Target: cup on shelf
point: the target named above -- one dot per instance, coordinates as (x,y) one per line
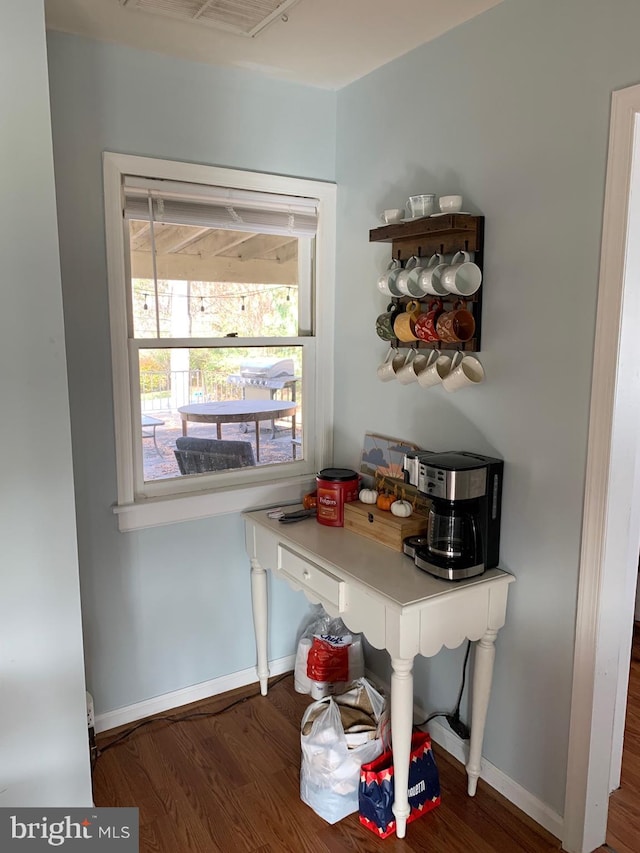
(384,322)
(429,277)
(421,205)
(410,283)
(435,371)
(461,277)
(425,328)
(466,371)
(387,281)
(414,364)
(456,326)
(405,323)
(408,278)
(450,203)
(391,365)
(391,215)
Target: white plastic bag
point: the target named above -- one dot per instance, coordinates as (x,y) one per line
(330,769)
(326,639)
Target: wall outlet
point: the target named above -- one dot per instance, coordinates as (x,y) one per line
(91,720)
(91,727)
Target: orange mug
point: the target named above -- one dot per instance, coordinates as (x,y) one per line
(405,324)
(456,326)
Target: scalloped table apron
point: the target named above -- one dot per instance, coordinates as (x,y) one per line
(381,593)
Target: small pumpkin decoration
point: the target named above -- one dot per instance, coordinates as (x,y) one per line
(402,509)
(368,496)
(385,501)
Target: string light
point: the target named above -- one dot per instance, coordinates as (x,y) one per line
(241,296)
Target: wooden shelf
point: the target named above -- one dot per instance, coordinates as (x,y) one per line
(446,234)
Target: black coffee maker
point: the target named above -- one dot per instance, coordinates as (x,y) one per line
(463,535)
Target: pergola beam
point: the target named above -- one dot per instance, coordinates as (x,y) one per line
(188,267)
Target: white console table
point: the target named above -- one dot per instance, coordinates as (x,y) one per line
(381,593)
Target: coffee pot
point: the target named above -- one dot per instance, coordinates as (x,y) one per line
(463,534)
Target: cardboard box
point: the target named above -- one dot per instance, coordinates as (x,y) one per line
(381,525)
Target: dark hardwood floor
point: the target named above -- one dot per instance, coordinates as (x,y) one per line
(623,831)
(230,784)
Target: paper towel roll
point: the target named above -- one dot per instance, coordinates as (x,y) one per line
(302,683)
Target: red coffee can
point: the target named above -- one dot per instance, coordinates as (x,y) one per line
(336,487)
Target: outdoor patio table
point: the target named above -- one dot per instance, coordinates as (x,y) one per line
(152,423)
(238,412)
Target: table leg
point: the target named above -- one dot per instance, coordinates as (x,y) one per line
(274,391)
(259,605)
(184,426)
(401,728)
(257,441)
(482,675)
(219,430)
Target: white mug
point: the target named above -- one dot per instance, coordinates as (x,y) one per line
(402,280)
(391,215)
(387,281)
(391,365)
(429,277)
(466,370)
(421,205)
(414,364)
(461,277)
(436,370)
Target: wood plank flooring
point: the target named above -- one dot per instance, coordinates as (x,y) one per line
(623,831)
(230,784)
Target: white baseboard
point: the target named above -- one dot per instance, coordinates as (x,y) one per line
(195,693)
(441,734)
(505,785)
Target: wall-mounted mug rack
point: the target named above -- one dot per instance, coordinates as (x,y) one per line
(444,235)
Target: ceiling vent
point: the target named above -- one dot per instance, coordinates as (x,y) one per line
(243,17)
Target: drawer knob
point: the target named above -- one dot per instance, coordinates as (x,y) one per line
(306,575)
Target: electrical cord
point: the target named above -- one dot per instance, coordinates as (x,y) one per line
(453,718)
(96,752)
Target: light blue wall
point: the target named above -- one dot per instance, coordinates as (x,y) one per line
(44,754)
(511,110)
(169,607)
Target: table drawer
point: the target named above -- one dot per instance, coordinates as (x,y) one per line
(314,578)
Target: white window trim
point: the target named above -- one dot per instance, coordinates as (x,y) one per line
(135,512)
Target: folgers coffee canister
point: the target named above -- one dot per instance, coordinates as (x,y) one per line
(335,487)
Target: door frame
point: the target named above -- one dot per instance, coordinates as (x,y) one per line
(611,512)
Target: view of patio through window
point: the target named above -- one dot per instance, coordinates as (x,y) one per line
(197,289)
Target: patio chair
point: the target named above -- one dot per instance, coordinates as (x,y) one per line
(198,455)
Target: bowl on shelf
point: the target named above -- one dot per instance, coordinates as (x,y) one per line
(450,203)
(393,214)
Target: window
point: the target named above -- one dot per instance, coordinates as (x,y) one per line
(221,298)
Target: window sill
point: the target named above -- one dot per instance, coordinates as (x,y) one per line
(154,512)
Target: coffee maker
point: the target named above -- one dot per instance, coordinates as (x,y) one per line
(463,535)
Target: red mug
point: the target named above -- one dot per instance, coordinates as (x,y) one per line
(425,329)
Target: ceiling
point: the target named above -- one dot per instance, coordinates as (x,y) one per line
(324,43)
(193,253)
